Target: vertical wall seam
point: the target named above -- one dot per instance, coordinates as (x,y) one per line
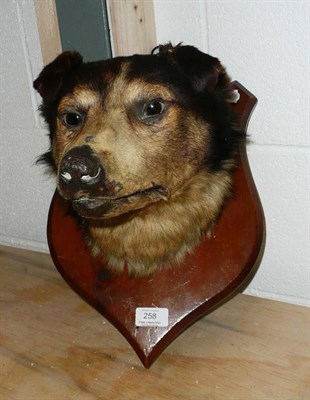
(29,69)
(204,24)
(111,30)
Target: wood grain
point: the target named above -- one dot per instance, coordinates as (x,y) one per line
(48,29)
(132,26)
(54,346)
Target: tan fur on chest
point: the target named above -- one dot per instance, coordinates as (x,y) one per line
(164,233)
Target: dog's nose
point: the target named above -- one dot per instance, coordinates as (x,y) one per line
(80,169)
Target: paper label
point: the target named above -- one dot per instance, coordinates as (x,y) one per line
(152,316)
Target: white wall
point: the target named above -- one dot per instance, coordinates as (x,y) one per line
(25,192)
(263,45)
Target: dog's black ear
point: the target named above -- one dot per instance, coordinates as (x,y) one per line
(52,76)
(205,72)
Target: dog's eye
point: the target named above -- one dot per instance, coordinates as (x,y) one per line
(72,119)
(153,109)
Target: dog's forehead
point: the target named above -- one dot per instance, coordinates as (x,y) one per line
(140,76)
(148,68)
(101,73)
(121,78)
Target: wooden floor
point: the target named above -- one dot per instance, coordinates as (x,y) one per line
(54,346)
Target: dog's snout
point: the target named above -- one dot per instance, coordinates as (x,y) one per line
(80,169)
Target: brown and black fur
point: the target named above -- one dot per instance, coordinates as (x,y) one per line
(147,156)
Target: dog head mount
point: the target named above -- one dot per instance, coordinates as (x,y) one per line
(140,139)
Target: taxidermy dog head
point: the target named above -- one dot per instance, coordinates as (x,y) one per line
(143,147)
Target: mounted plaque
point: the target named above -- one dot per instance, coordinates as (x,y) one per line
(151,311)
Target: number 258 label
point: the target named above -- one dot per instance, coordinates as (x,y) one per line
(152,316)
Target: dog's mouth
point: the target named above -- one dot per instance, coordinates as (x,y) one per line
(97,208)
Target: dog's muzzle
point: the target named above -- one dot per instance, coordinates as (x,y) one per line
(81,173)
(82,179)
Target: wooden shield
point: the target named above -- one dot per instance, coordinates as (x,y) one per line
(217,269)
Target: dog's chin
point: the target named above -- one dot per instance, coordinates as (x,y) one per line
(104,208)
